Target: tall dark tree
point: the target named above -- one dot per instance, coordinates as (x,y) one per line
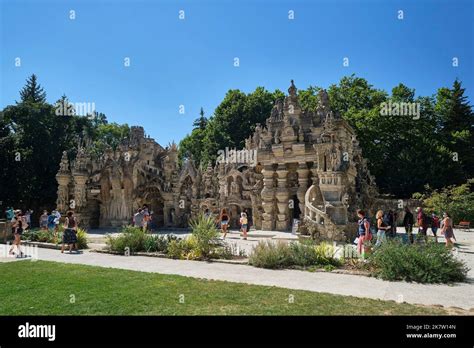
(32,138)
(33,92)
(201,122)
(457,126)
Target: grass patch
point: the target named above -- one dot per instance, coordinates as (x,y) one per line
(45,288)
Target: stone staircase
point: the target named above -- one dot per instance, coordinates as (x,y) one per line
(316,217)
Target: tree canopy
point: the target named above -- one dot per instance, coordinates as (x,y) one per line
(434,145)
(32,140)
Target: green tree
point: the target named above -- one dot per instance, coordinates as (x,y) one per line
(33,92)
(233,121)
(456,119)
(201,122)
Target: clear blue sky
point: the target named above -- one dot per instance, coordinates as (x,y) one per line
(190,62)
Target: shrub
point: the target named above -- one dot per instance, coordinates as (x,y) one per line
(326,254)
(31,235)
(423,263)
(269,254)
(185,249)
(158,243)
(228,251)
(303,254)
(205,235)
(81,238)
(45,236)
(131,237)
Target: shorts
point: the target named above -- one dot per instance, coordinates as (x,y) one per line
(225,222)
(244,226)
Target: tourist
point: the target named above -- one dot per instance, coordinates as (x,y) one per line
(27,216)
(249,218)
(57,219)
(138,218)
(244,224)
(9,214)
(447,229)
(408,223)
(207,214)
(363,232)
(389,221)
(394,224)
(70,232)
(51,219)
(381,229)
(146,217)
(17,230)
(422,222)
(434,223)
(224,220)
(43,220)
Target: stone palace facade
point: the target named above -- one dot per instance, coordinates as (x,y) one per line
(299,165)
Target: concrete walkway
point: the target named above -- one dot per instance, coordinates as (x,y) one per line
(459,295)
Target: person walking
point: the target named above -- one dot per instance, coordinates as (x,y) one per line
(422,222)
(408,224)
(138,218)
(363,232)
(447,230)
(9,214)
(70,232)
(224,220)
(244,225)
(146,217)
(434,224)
(43,220)
(51,223)
(381,229)
(18,224)
(57,220)
(28,217)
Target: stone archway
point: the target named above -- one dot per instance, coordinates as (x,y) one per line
(155,202)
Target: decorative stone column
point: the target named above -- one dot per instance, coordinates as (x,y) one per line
(282,196)
(62,202)
(315,176)
(79,203)
(302,184)
(63,177)
(268,196)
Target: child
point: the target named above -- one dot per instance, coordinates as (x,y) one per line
(244,224)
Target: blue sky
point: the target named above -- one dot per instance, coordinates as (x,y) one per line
(190,62)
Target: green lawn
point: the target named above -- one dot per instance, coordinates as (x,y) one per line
(45,288)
